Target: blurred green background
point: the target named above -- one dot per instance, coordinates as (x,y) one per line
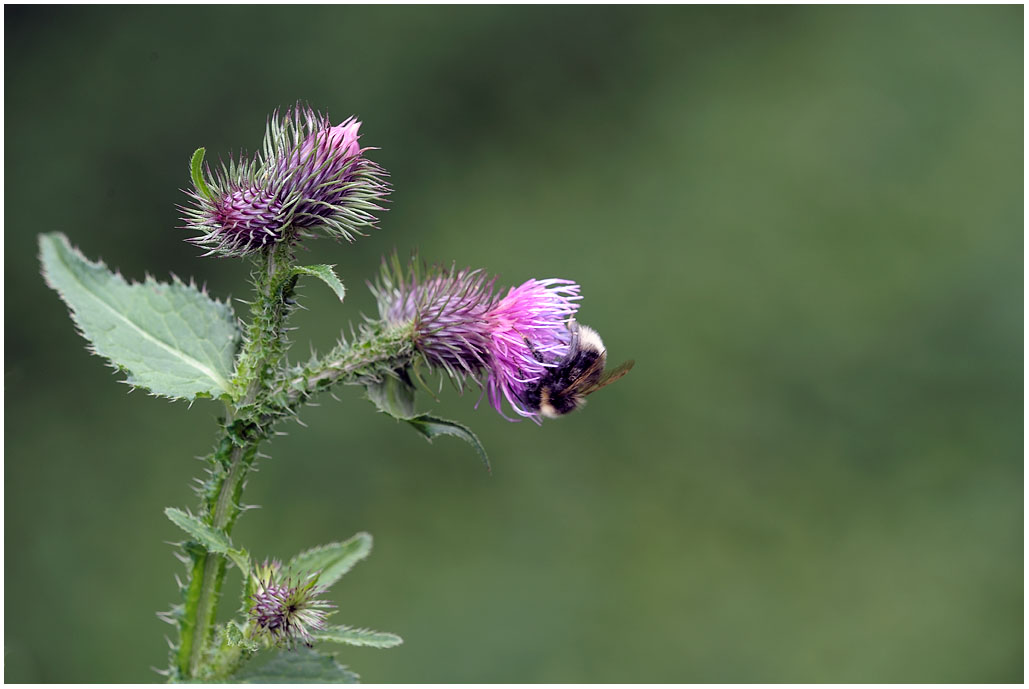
(805,224)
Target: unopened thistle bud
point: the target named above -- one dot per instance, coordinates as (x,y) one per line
(309,176)
(286,609)
(466,329)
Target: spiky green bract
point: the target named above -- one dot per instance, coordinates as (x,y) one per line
(169,338)
(309,175)
(285,608)
(446,309)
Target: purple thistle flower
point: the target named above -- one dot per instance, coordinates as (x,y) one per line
(285,610)
(447,310)
(528,334)
(461,326)
(309,175)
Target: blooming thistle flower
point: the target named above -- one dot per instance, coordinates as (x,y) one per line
(285,609)
(309,175)
(466,329)
(528,330)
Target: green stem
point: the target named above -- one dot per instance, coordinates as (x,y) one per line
(264,394)
(265,342)
(265,347)
(378,353)
(209,568)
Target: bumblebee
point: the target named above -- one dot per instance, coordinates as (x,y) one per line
(563,388)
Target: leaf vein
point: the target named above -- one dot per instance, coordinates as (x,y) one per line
(185,358)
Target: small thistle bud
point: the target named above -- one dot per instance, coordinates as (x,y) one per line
(309,176)
(285,610)
(461,326)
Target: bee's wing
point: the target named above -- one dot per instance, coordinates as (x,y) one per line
(613,375)
(581,384)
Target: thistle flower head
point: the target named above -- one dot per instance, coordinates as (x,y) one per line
(286,609)
(463,327)
(309,175)
(528,334)
(447,309)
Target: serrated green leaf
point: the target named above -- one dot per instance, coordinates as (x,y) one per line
(393,396)
(196,172)
(301,666)
(326,275)
(213,540)
(342,634)
(334,559)
(172,339)
(432,426)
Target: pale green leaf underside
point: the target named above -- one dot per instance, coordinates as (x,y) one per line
(213,540)
(171,339)
(301,666)
(326,275)
(333,560)
(358,637)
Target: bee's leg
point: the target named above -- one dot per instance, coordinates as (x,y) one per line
(535,354)
(573,343)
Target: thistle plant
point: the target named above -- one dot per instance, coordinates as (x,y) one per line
(309,178)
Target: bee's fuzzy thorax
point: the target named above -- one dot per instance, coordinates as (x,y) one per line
(564,386)
(589,339)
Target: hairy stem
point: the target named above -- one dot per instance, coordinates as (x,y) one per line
(266,343)
(262,353)
(208,569)
(266,392)
(373,356)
